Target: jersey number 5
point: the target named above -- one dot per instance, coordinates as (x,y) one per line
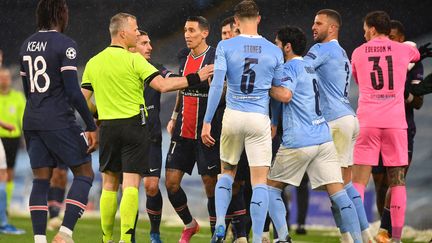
(248,73)
(39,66)
(377,71)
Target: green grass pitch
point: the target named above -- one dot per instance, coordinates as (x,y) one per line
(88,231)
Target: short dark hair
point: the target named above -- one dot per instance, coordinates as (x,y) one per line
(396,24)
(49,13)
(380,20)
(202,22)
(293,35)
(229,20)
(333,14)
(142,32)
(246,9)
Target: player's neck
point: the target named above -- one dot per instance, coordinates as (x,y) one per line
(249,26)
(330,38)
(376,36)
(249,29)
(4,91)
(200,49)
(116,42)
(56,28)
(290,56)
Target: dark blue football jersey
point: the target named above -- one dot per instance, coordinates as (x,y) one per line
(152,101)
(43,57)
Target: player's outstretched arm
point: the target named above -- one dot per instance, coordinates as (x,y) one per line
(422,88)
(175,83)
(425,51)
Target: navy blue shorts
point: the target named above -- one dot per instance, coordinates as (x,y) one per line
(183,153)
(154,160)
(51,147)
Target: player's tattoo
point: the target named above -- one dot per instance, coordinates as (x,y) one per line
(227,166)
(396,176)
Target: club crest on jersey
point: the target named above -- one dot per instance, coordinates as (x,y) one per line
(71,53)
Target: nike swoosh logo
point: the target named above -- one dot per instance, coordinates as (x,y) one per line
(211,167)
(152,170)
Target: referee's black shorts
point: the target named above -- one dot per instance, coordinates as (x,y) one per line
(124,145)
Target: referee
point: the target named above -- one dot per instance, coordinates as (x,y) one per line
(117,77)
(12,104)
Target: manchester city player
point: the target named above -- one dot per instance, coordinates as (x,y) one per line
(333,68)
(251,64)
(307,144)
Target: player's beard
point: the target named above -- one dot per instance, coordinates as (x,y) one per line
(321,37)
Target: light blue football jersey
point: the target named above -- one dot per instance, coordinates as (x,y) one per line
(334,72)
(252,65)
(302,121)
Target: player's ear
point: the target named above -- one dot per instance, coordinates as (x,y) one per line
(205,33)
(258,19)
(287,48)
(372,31)
(236,20)
(121,34)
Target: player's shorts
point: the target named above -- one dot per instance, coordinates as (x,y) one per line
(61,166)
(184,152)
(379,169)
(344,132)
(11,146)
(49,147)
(392,143)
(124,145)
(243,170)
(249,131)
(3,164)
(320,162)
(154,160)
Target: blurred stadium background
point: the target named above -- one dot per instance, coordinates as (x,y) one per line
(164,20)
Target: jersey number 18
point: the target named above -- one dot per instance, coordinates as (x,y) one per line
(39,66)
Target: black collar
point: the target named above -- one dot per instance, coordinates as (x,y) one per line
(116,46)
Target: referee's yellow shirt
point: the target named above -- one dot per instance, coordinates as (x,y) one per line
(117,77)
(12,107)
